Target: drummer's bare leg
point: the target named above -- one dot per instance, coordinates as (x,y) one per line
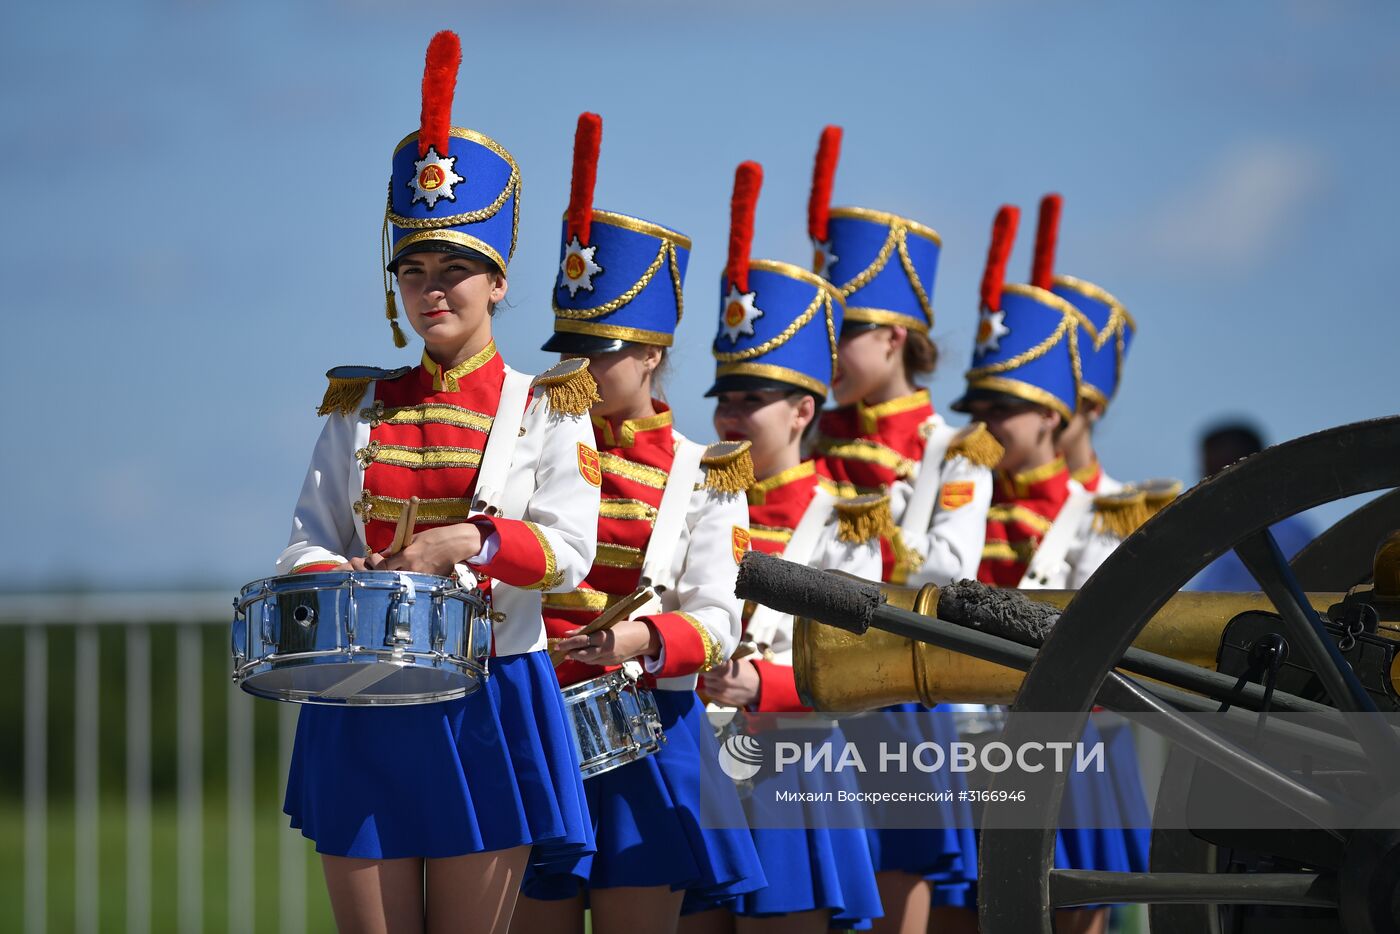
(906,899)
(817,921)
(564,915)
(375,896)
(945,919)
(474,894)
(714,921)
(653,909)
(1081,921)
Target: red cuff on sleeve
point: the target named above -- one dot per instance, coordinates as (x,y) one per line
(777,689)
(683,650)
(317,567)
(524,558)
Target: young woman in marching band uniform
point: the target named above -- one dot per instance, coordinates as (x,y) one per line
(1044,530)
(617,301)
(776,351)
(426,815)
(884,435)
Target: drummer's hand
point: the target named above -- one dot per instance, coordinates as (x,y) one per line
(734,684)
(433,551)
(356,564)
(628,639)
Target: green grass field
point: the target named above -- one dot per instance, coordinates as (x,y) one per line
(269,824)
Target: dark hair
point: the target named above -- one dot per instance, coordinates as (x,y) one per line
(1241,436)
(920,354)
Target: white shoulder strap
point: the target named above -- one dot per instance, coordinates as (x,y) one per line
(766,620)
(918,513)
(659,560)
(1048,563)
(500,444)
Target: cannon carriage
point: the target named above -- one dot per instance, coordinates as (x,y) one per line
(1320,640)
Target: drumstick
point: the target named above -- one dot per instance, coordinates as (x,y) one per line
(405,526)
(410,522)
(606,620)
(743,650)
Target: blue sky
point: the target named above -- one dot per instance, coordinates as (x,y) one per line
(195,194)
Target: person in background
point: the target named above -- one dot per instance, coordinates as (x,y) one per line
(1221,445)
(885,437)
(775,353)
(612,308)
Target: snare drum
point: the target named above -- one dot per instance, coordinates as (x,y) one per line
(614,720)
(360,637)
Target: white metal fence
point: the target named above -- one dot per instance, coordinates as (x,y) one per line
(189,617)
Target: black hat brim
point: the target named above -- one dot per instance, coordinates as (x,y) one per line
(584,344)
(962,403)
(744,383)
(441,246)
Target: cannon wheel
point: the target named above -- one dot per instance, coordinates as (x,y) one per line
(1020,889)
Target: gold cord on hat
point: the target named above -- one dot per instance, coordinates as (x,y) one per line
(391,308)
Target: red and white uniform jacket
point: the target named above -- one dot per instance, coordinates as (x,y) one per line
(888,446)
(1045,531)
(777,506)
(422,434)
(698,617)
(1093,479)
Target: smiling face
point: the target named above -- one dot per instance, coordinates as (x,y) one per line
(771,420)
(448,299)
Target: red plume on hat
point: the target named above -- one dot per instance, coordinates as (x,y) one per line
(587,139)
(1003,237)
(748,179)
(1047,234)
(439,84)
(823,175)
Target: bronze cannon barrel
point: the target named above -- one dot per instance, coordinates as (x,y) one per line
(838,670)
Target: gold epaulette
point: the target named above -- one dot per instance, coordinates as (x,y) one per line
(347,385)
(1119,514)
(728,467)
(976,443)
(864,518)
(1158,493)
(569,386)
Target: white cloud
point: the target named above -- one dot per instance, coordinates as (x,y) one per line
(1248,200)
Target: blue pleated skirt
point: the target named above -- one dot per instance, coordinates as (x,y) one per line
(646,820)
(946,852)
(491,771)
(1104,822)
(808,869)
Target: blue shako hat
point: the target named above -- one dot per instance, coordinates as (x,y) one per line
(1027,337)
(619,277)
(1106,328)
(452,190)
(883,264)
(778,323)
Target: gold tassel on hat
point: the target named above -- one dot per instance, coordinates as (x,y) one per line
(391,308)
(343,395)
(570,387)
(728,467)
(391,311)
(864,518)
(976,443)
(1120,514)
